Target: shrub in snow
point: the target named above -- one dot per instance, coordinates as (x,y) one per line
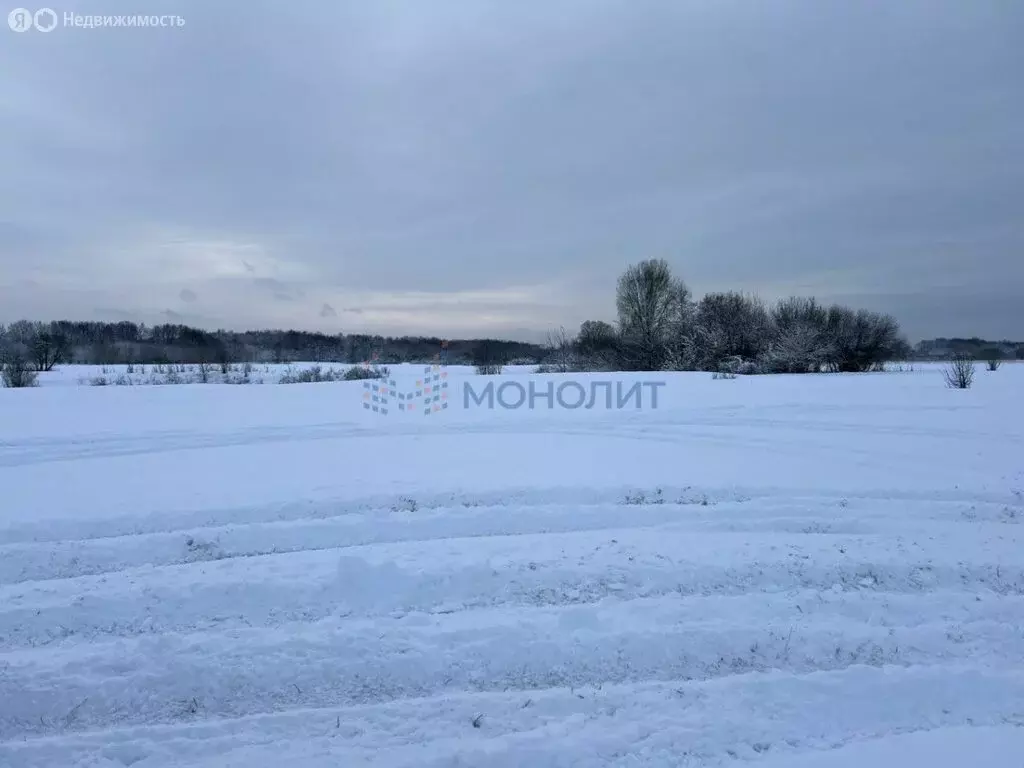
(362,372)
(488,357)
(316,374)
(730,325)
(737,366)
(798,348)
(861,340)
(597,347)
(561,351)
(959,373)
(16,370)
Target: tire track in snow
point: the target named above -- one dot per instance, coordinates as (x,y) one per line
(72,529)
(362,623)
(40,561)
(244,672)
(527,570)
(682,720)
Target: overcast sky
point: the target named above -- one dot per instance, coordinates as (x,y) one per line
(472,168)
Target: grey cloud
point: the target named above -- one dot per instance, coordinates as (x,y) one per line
(187,295)
(280,290)
(327,311)
(862,149)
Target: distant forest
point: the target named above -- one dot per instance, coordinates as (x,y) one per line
(97,343)
(660,326)
(979,349)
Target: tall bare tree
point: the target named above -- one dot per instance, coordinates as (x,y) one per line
(652,307)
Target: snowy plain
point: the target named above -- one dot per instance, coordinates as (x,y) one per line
(810,571)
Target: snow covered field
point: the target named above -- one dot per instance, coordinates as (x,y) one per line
(807,571)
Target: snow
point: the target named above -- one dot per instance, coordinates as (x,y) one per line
(799,571)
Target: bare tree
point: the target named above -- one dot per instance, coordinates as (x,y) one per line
(651,306)
(959,373)
(597,345)
(48,349)
(995,359)
(561,347)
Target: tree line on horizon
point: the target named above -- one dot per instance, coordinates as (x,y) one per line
(41,346)
(659,326)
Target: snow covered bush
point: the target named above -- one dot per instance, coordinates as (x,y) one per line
(15,370)
(800,342)
(311,375)
(798,348)
(728,326)
(363,372)
(860,340)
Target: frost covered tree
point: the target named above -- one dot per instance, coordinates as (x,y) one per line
(798,348)
(728,326)
(800,342)
(652,306)
(42,345)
